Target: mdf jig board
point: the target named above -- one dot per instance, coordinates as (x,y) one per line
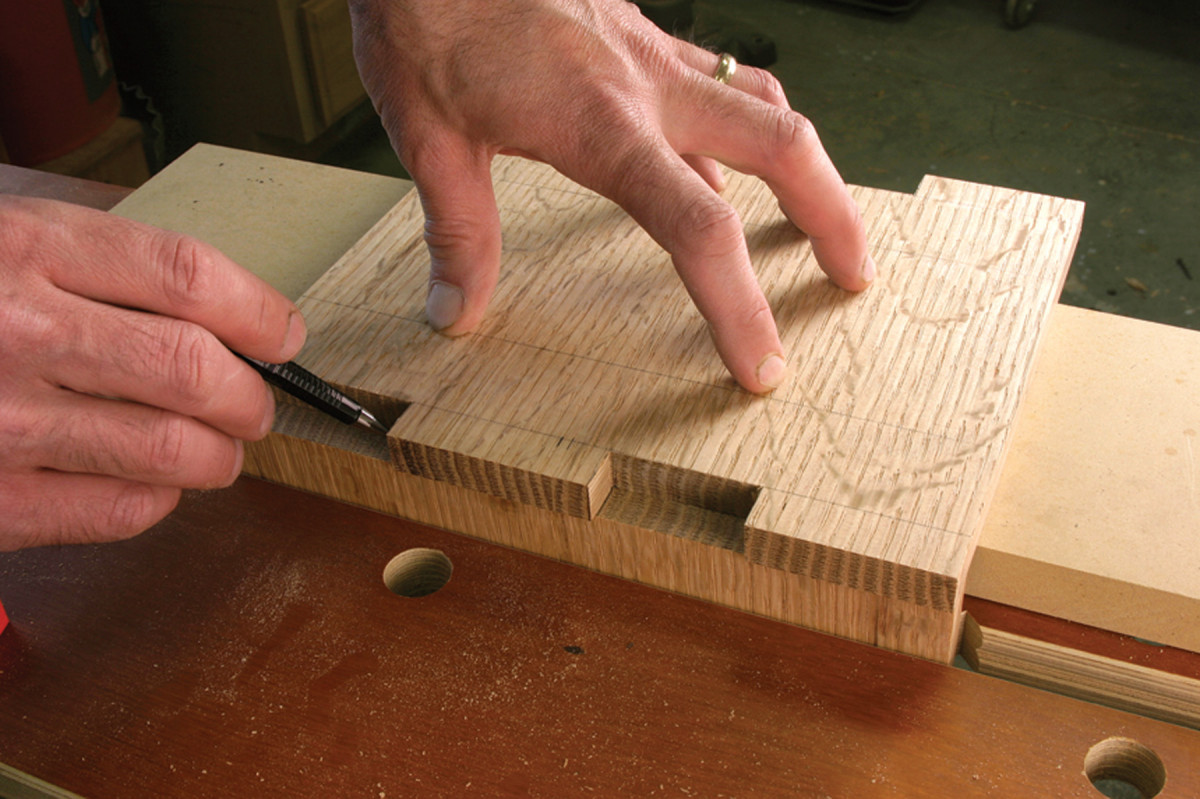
(1097,517)
(589,419)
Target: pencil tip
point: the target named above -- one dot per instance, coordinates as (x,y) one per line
(367,419)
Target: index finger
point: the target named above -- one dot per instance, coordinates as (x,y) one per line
(135,265)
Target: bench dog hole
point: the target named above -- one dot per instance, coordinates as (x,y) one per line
(417,572)
(1121,768)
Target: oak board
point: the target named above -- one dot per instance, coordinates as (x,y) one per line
(1105,396)
(591,405)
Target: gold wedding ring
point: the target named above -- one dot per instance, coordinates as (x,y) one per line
(726,67)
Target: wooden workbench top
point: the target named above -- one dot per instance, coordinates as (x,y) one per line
(248,645)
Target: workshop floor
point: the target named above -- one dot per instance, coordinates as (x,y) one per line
(1098,101)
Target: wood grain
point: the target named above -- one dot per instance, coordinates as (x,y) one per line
(1102,384)
(1083,638)
(248,646)
(865,476)
(1070,672)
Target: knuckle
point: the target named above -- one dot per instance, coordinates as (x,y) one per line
(174,456)
(13,431)
(708,224)
(446,235)
(166,446)
(189,357)
(766,86)
(24,431)
(74,454)
(133,509)
(758,313)
(187,272)
(793,136)
(30,314)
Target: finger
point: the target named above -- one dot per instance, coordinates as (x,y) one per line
(462,232)
(139,266)
(164,363)
(90,435)
(750,80)
(45,508)
(708,169)
(782,148)
(704,237)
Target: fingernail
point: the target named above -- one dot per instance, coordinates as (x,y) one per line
(868,269)
(444,305)
(268,419)
(771,371)
(297,332)
(238,461)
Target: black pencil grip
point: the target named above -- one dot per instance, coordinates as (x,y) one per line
(307,387)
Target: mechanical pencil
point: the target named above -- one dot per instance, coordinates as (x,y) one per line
(307,387)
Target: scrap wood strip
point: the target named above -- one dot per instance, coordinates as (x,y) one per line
(1073,672)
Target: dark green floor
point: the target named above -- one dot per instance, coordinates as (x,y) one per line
(1097,100)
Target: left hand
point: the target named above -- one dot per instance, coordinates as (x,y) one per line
(597,91)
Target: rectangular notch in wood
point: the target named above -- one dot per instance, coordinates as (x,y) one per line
(299,420)
(680,502)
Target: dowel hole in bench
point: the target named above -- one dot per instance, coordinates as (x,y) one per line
(1121,768)
(417,572)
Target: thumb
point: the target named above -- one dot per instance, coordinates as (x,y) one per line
(462,232)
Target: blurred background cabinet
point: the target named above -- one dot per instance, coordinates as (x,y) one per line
(266,75)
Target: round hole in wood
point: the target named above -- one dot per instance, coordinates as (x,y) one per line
(1122,768)
(417,572)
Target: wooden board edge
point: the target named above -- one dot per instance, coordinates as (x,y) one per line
(694,568)
(1082,675)
(1085,597)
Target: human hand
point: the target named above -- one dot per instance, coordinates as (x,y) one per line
(116,390)
(597,91)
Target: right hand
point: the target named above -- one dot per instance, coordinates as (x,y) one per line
(118,387)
